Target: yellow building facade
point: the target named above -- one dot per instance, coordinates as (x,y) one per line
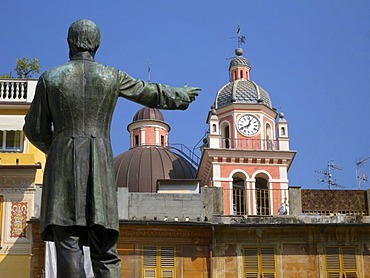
(20,176)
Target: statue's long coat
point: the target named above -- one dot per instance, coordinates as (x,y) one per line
(69,120)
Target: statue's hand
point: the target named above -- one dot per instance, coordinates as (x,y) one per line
(192,92)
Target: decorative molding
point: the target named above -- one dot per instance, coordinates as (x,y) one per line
(16,190)
(18,219)
(251,160)
(165,234)
(17,181)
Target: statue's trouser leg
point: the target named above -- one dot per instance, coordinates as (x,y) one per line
(70,260)
(103,252)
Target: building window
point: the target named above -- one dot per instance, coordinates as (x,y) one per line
(341,262)
(262,197)
(283,131)
(259,262)
(162,140)
(239,198)
(227,137)
(158,262)
(268,137)
(11,140)
(136,140)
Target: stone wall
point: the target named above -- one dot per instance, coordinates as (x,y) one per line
(170,206)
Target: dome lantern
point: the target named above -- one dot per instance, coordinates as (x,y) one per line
(239,66)
(148,128)
(241,89)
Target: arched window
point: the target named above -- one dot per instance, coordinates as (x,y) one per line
(136,140)
(268,143)
(227,137)
(282,131)
(241,74)
(214,128)
(239,196)
(262,196)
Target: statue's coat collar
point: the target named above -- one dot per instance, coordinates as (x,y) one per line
(82,56)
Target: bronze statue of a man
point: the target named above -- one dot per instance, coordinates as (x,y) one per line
(69,120)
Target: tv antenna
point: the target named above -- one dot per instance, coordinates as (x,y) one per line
(328,176)
(361,178)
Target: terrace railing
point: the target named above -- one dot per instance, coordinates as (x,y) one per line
(19,91)
(334,202)
(249,144)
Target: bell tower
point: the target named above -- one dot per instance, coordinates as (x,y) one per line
(247,149)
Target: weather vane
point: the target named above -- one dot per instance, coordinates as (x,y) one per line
(241,39)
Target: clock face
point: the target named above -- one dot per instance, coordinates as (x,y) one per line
(248,125)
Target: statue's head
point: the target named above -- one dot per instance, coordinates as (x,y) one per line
(83,35)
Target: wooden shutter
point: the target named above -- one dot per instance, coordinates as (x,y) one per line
(349,274)
(159,262)
(251,262)
(341,262)
(268,259)
(169,273)
(268,275)
(167,257)
(332,259)
(349,262)
(334,274)
(349,258)
(167,261)
(1,217)
(149,273)
(268,262)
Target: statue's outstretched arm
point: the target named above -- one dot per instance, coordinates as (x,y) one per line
(156,95)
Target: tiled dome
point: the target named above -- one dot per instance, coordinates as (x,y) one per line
(241,91)
(239,61)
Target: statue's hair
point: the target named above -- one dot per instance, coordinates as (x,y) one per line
(83,35)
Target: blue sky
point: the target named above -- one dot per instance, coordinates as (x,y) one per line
(313,57)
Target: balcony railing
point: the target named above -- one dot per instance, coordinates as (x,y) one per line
(260,202)
(334,202)
(17,90)
(249,144)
